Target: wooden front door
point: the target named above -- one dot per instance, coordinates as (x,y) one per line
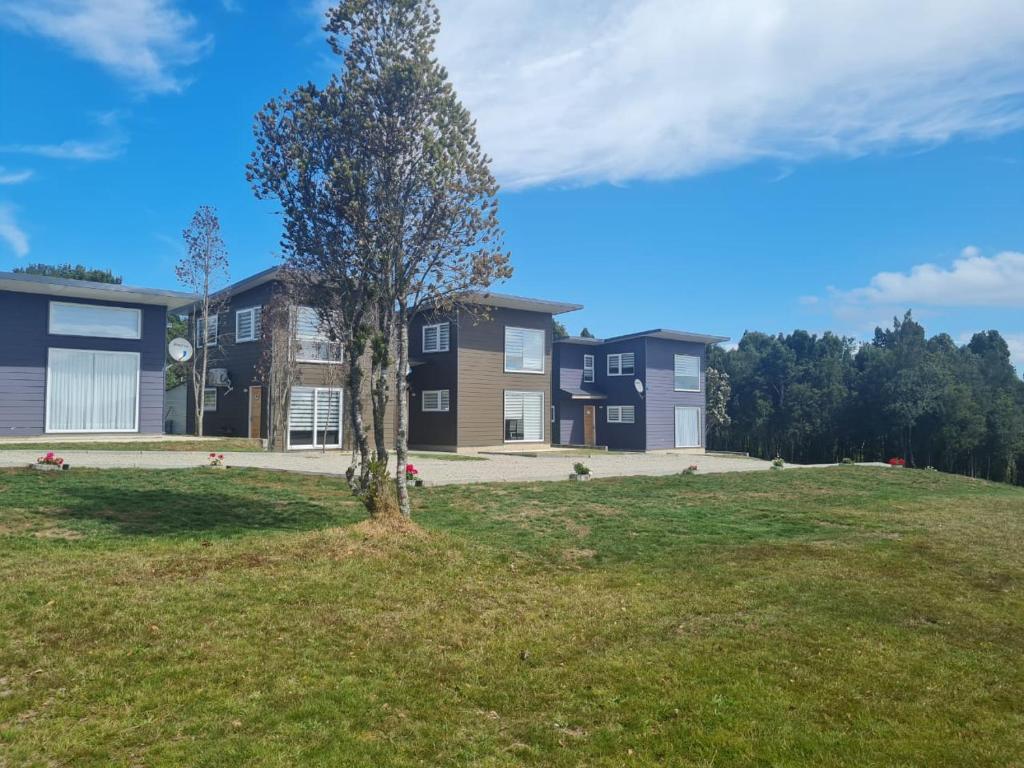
(255,411)
(589,425)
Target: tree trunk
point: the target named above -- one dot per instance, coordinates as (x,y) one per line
(379,394)
(402,433)
(355,409)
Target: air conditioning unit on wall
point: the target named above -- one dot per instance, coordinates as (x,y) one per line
(218,377)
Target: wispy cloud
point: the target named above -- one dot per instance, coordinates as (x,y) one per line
(973,280)
(106,147)
(142,41)
(14,177)
(11,233)
(582,91)
(231,6)
(1015,341)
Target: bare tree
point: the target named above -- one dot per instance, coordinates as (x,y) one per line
(203,271)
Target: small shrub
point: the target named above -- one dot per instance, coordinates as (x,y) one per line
(216,459)
(380,498)
(690,470)
(51,458)
(778,463)
(580,468)
(847,460)
(897,462)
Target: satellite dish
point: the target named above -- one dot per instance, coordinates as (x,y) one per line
(638,386)
(180,350)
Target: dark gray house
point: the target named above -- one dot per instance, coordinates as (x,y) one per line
(481,375)
(639,392)
(81,357)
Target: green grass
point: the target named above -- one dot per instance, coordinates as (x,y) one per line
(442,456)
(840,617)
(219,445)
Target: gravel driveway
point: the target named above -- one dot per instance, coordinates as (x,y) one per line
(494,468)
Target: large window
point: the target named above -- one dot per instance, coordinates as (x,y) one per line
(688,431)
(588,369)
(312,343)
(435,400)
(524,417)
(208,339)
(621,414)
(524,350)
(314,418)
(436,337)
(68,319)
(247,324)
(92,391)
(621,364)
(687,373)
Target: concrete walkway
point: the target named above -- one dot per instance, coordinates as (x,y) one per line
(492,468)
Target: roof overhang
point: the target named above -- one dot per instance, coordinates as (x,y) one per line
(253,281)
(670,335)
(506,301)
(84,289)
(580,394)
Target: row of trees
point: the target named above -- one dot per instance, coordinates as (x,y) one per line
(813,398)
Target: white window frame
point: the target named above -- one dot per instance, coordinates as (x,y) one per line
(588,368)
(620,414)
(617,357)
(215,324)
(319,338)
(79,304)
(253,312)
(446,327)
(443,400)
(679,389)
(543,351)
(138,393)
(542,409)
(316,431)
(701,437)
(206,402)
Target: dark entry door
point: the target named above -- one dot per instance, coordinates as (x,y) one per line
(589,425)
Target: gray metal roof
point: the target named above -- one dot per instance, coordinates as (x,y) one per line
(85,289)
(507,301)
(582,394)
(656,333)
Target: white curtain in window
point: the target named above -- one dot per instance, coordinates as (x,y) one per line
(687,427)
(524,350)
(92,391)
(687,373)
(524,416)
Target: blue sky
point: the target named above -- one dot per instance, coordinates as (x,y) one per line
(755,164)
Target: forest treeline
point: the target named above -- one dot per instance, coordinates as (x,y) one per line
(930,401)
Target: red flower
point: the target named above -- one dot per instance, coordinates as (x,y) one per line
(411,470)
(49,454)
(221,456)
(213,455)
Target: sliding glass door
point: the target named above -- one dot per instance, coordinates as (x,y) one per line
(314,418)
(91,391)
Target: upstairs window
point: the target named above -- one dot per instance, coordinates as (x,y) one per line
(621,414)
(524,350)
(621,364)
(435,337)
(312,343)
(208,339)
(588,369)
(687,373)
(73,319)
(435,400)
(247,324)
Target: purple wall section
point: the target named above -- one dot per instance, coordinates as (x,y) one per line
(23,353)
(661,395)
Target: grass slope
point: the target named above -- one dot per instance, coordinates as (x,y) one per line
(835,617)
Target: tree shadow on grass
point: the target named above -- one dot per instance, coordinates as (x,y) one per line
(185,504)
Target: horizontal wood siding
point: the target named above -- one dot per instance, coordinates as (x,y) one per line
(482,378)
(661,395)
(569,419)
(620,391)
(23,357)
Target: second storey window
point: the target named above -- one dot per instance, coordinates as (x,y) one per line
(435,337)
(247,324)
(621,364)
(588,369)
(312,343)
(73,319)
(621,414)
(209,399)
(208,339)
(524,350)
(687,373)
(435,400)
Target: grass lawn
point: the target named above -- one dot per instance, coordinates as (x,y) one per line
(836,617)
(442,456)
(219,445)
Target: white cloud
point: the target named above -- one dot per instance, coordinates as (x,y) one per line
(109,146)
(580,91)
(1015,341)
(14,177)
(11,233)
(142,41)
(809,301)
(973,280)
